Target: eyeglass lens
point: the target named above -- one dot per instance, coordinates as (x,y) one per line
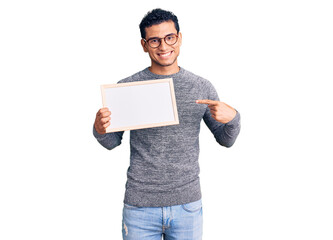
(169,39)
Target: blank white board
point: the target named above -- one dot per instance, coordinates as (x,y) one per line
(142,104)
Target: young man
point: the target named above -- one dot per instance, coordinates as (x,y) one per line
(163,196)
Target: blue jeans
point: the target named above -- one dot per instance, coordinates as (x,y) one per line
(179,222)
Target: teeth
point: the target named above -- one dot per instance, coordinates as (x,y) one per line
(165,54)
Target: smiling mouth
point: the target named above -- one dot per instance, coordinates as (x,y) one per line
(165,54)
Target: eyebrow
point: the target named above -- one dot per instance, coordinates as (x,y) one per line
(162,37)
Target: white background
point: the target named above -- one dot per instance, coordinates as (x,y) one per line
(271,60)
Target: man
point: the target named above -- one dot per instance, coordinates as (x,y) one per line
(163,196)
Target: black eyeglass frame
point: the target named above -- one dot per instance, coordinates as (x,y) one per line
(160,40)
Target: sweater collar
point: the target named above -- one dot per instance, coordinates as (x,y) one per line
(157,76)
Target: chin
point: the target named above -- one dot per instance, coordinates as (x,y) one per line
(165,64)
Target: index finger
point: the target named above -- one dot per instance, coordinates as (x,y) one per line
(207,101)
(103,110)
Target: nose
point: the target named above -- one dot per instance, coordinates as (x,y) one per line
(163,45)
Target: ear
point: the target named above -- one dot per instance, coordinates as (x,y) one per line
(143,44)
(180,37)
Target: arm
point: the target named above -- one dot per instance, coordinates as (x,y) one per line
(102,121)
(224,133)
(221,119)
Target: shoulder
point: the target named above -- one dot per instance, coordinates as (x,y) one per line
(201,82)
(135,77)
(205,87)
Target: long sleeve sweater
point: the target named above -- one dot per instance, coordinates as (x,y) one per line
(164,168)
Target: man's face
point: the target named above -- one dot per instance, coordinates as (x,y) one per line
(164,55)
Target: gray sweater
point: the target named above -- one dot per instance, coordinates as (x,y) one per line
(164,168)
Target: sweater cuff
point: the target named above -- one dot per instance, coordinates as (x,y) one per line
(235,121)
(97,135)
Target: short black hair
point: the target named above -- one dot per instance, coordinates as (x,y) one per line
(157,16)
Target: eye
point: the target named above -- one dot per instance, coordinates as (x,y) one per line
(171,37)
(154,40)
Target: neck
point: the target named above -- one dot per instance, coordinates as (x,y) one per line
(164,70)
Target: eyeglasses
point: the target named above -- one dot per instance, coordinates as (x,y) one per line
(155,42)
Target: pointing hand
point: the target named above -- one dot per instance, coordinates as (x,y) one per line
(220,111)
